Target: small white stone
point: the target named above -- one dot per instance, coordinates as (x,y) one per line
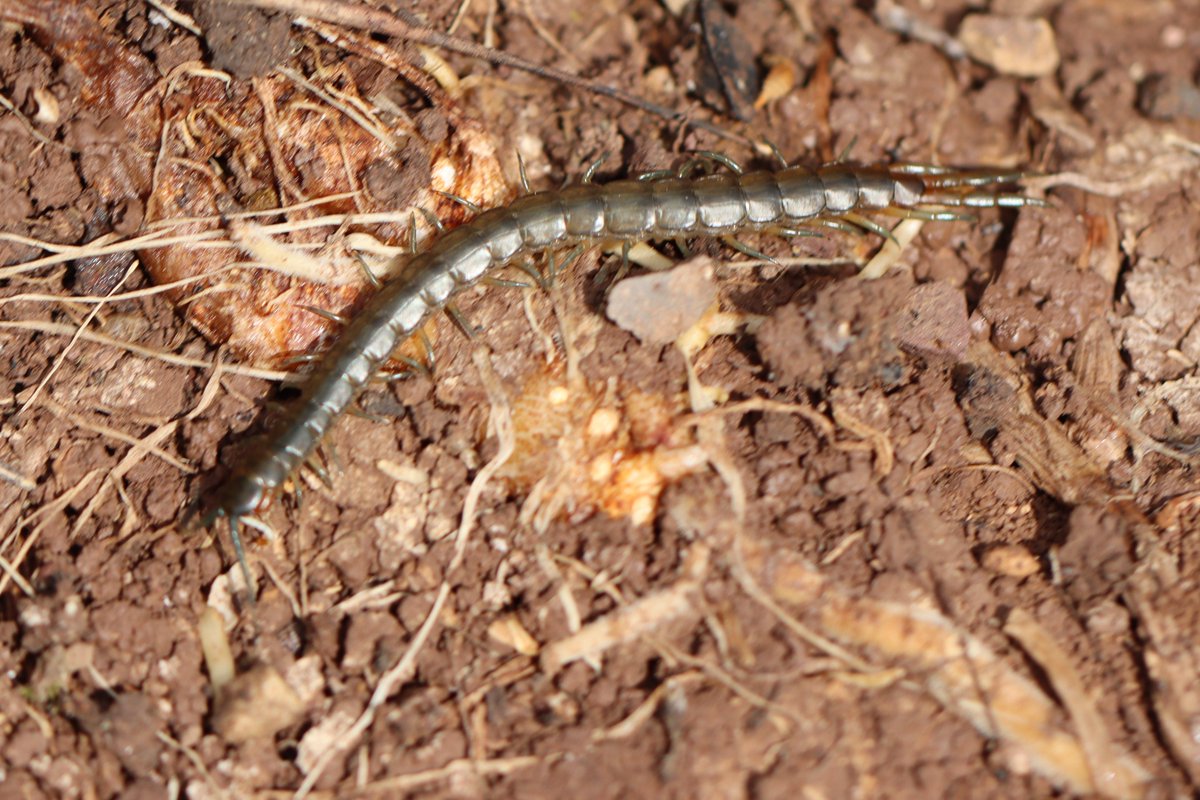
(1011,45)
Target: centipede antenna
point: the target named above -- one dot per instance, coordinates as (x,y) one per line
(722,159)
(371,277)
(462,201)
(870,225)
(590,172)
(460,320)
(521,172)
(747,250)
(325,313)
(240,552)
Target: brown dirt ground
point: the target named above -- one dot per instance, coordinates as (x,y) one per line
(996,438)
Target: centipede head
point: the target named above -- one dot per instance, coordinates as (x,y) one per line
(237,497)
(236,500)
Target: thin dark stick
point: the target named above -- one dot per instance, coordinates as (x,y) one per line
(405,26)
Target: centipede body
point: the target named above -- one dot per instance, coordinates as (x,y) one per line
(720,205)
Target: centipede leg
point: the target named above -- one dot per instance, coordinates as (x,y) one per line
(319,470)
(523,175)
(704,157)
(838,225)
(777,153)
(871,226)
(460,321)
(505,283)
(361,413)
(590,173)
(413,367)
(325,313)
(427,348)
(747,250)
(432,219)
(720,158)
(553,268)
(371,277)
(300,360)
(844,156)
(533,272)
(623,270)
(462,201)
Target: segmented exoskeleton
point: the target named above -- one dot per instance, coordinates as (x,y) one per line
(720,205)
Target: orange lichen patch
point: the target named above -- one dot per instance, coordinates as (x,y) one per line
(582,448)
(291,179)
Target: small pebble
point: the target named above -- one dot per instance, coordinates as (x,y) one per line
(1011,45)
(1011,560)
(658,308)
(256,704)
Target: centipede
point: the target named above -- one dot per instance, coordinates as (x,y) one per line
(656,206)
